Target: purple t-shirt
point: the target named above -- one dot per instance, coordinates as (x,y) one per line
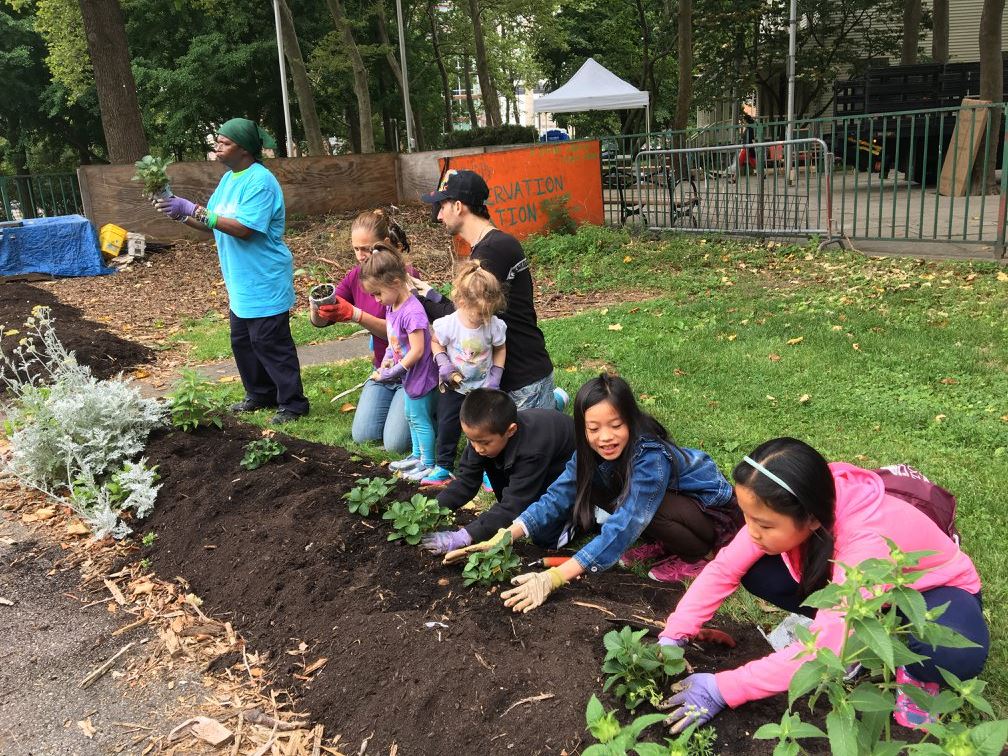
(351,289)
(423,376)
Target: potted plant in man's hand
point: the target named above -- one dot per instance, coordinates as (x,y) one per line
(153,173)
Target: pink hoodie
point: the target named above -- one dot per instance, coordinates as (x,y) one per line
(865,515)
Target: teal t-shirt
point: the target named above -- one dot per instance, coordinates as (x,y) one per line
(258,271)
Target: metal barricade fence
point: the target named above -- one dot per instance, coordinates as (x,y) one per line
(40,195)
(884,180)
(779,188)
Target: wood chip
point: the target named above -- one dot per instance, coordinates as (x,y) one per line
(316,665)
(116,593)
(87,728)
(6,602)
(530,699)
(98,672)
(586,605)
(211,731)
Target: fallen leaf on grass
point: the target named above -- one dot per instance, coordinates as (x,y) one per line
(227,379)
(143,587)
(347,407)
(87,728)
(949,381)
(856,347)
(732,336)
(628,259)
(678,373)
(804,399)
(773,357)
(940,417)
(1002,276)
(615,327)
(795,340)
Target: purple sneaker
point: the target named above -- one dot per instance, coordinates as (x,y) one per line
(674,570)
(643,553)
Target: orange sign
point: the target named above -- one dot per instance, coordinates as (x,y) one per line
(521,179)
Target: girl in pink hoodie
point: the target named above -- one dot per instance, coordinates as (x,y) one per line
(803,518)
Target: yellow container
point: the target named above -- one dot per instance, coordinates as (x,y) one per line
(111,239)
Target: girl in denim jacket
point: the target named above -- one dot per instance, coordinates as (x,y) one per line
(645,485)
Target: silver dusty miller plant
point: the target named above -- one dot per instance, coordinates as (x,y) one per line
(70,432)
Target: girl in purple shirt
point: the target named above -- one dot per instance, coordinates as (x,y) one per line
(408,355)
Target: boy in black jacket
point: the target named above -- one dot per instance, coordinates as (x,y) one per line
(522,453)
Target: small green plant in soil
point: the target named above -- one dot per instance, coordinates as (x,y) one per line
(261,451)
(496,565)
(617,740)
(881,611)
(149,538)
(145,564)
(152,172)
(638,670)
(411,519)
(367,495)
(558,217)
(193,403)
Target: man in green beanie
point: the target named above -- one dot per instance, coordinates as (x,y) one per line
(246,215)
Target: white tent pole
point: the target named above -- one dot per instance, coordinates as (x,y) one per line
(792,49)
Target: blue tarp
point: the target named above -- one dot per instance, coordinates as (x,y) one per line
(66,245)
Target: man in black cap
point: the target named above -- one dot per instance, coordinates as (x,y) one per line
(461,206)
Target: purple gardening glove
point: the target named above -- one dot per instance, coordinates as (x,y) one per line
(677,642)
(697,701)
(446,540)
(392,374)
(445,369)
(176,208)
(493,379)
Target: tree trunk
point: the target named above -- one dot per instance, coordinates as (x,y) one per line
(467,73)
(360,77)
(353,128)
(302,87)
(446,89)
(684,51)
(488,95)
(397,71)
(911,31)
(940,33)
(120,113)
(389,126)
(991,82)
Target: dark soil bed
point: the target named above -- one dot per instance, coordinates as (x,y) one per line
(106,353)
(276,552)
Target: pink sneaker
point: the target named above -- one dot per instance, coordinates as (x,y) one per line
(907,713)
(643,553)
(674,569)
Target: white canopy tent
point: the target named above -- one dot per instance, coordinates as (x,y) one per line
(594,87)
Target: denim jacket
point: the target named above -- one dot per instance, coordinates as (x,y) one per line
(651,471)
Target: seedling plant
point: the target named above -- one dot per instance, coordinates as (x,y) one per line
(617,740)
(496,565)
(152,172)
(193,403)
(410,520)
(261,451)
(367,495)
(638,671)
(881,611)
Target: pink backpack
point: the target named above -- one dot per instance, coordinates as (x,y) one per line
(904,482)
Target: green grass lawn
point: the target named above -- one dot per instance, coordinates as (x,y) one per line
(211,341)
(874,361)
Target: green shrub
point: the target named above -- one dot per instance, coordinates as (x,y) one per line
(558,217)
(193,403)
(496,565)
(410,520)
(367,495)
(491,135)
(639,670)
(261,451)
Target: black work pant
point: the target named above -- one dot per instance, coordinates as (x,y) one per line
(449,429)
(681,525)
(267,362)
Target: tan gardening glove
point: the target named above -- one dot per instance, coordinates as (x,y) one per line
(461,555)
(532,590)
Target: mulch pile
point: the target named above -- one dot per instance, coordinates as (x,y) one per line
(411,656)
(106,353)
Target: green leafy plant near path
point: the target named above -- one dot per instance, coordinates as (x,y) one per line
(152,172)
(495,565)
(617,740)
(261,451)
(638,671)
(411,519)
(193,403)
(367,495)
(881,611)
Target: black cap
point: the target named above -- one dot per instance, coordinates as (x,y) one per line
(465,186)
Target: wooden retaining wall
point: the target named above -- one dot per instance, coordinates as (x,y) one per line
(311,186)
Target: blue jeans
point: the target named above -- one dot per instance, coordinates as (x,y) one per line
(380,416)
(538,394)
(770,580)
(420,414)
